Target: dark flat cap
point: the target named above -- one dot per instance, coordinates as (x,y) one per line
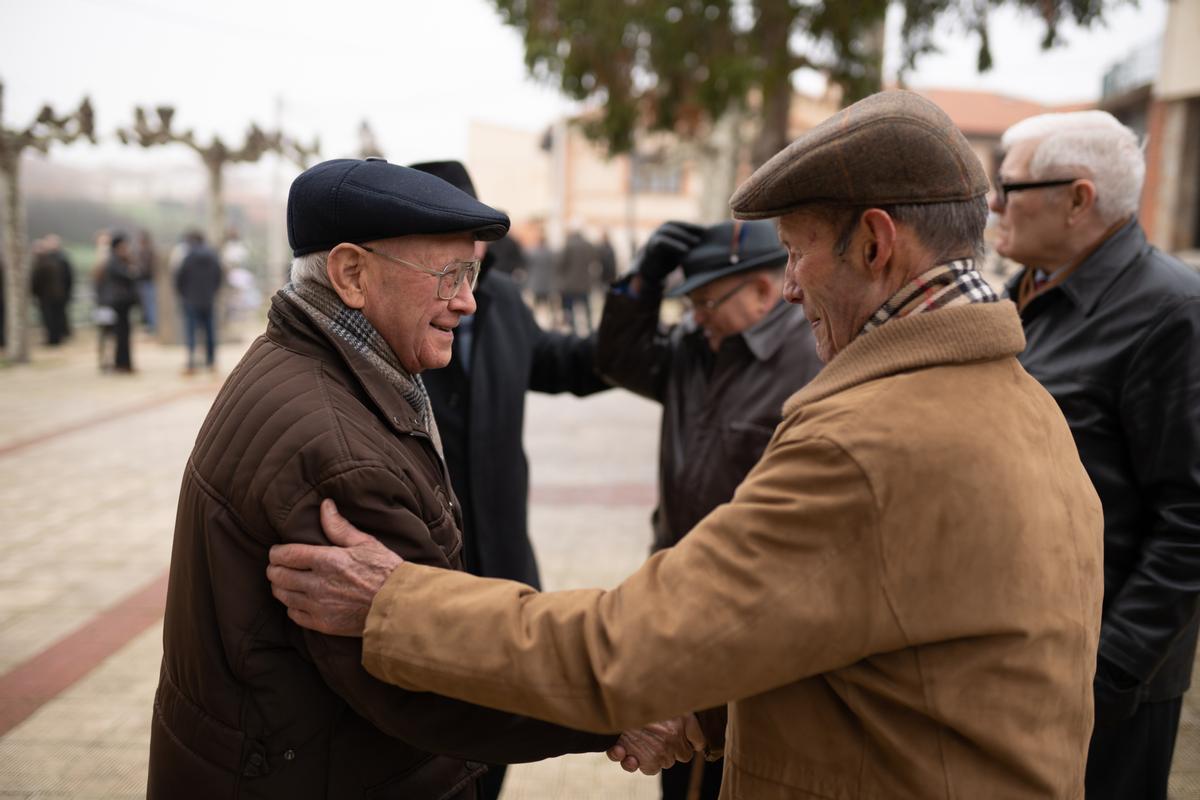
(891,147)
(347,200)
(728,248)
(452,172)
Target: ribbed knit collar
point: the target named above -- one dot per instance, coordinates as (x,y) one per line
(959,335)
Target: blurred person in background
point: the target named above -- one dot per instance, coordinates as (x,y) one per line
(145,270)
(578,266)
(1113,332)
(235,257)
(116,289)
(542,278)
(607,258)
(198,283)
(721,376)
(103,317)
(52,280)
(3,307)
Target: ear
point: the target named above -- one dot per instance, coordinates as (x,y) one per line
(764,281)
(346,267)
(1082,201)
(879,241)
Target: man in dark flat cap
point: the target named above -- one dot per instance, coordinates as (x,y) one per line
(721,375)
(902,599)
(500,353)
(329,403)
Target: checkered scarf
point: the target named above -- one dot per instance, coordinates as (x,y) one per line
(956,283)
(349,325)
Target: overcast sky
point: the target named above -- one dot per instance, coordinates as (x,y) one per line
(419,71)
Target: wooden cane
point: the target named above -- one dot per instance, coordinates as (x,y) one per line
(696,777)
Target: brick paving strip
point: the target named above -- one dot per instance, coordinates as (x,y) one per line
(38,680)
(33,683)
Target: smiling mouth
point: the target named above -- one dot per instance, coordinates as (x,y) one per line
(442,328)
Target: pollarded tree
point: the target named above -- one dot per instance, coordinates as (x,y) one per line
(46,129)
(215,155)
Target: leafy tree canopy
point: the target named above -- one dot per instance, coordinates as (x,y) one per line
(679,64)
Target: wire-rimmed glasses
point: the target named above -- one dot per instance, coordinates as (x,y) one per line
(450,277)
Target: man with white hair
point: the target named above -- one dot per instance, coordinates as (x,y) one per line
(1113,331)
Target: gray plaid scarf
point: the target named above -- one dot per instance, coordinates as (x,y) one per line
(348,324)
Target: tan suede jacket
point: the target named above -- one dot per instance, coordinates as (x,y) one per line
(901,601)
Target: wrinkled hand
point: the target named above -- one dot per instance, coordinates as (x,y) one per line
(330,589)
(658,745)
(666,249)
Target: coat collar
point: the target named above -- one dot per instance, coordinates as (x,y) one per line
(1088,282)
(289,326)
(957,335)
(765,337)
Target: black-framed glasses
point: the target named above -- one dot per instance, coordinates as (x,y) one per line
(450,277)
(712,305)
(1003,188)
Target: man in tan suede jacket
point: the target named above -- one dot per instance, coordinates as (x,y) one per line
(903,598)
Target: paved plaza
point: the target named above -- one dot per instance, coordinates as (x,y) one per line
(90,466)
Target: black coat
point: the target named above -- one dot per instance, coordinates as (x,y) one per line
(719,409)
(480,413)
(115,286)
(1118,346)
(199,277)
(52,278)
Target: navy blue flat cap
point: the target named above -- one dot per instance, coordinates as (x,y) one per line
(728,248)
(347,200)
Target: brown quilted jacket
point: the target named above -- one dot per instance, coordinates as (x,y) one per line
(249,705)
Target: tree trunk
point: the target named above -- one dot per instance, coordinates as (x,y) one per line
(773,134)
(16,280)
(773,28)
(216,205)
(717,160)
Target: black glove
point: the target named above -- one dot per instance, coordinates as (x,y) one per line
(665,250)
(1116,693)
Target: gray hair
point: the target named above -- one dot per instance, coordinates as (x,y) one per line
(948,230)
(312,268)
(1093,142)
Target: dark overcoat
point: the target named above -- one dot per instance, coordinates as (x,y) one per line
(479,404)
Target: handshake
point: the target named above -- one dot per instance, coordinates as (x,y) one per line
(659,745)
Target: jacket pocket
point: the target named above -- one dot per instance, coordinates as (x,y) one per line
(443,529)
(194,755)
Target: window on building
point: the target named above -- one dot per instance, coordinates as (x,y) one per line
(654,175)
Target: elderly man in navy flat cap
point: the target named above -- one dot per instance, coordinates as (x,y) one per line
(329,403)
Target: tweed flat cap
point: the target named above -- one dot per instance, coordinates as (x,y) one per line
(727,249)
(891,147)
(347,200)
